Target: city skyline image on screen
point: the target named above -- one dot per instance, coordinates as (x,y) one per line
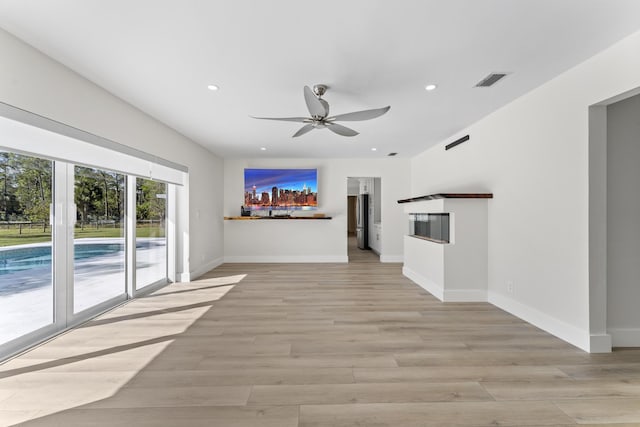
(290,189)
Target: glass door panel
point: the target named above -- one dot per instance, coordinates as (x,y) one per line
(26,280)
(99,237)
(151,235)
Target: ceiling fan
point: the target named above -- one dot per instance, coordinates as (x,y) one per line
(319,111)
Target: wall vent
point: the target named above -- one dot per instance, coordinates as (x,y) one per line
(456,142)
(491,79)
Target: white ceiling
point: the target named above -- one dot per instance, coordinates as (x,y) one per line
(160,55)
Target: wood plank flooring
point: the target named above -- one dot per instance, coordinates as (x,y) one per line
(279,345)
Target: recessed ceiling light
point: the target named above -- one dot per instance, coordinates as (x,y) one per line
(263,148)
(430,87)
(213,87)
(374,149)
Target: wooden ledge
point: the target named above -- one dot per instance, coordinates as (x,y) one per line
(448,196)
(273,218)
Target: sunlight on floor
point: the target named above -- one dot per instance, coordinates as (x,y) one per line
(93,362)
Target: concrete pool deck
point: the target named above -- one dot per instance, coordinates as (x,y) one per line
(96,279)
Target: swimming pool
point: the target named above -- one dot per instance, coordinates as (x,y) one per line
(27,283)
(20,259)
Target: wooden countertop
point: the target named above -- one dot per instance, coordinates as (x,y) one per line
(448,196)
(249,218)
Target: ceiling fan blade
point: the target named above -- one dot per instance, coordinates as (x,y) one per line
(361,115)
(284,119)
(341,130)
(315,106)
(304,129)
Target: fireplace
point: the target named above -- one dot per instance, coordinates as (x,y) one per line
(430,226)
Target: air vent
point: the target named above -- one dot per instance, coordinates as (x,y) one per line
(392,154)
(457,142)
(491,79)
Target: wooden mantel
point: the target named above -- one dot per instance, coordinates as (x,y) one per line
(448,196)
(274,218)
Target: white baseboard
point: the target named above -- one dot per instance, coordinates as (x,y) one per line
(287,259)
(193,275)
(429,285)
(391,258)
(600,343)
(625,337)
(560,329)
(451,295)
(465,295)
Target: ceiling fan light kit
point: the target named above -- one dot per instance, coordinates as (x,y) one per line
(319,114)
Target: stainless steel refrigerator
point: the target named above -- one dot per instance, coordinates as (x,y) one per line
(362,216)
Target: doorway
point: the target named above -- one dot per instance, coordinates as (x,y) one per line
(363,219)
(351,215)
(614,231)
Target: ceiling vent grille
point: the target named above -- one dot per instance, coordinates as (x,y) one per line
(491,79)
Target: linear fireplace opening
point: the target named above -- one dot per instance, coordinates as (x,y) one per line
(430,226)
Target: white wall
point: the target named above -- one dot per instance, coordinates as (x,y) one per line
(623,221)
(34,82)
(533,155)
(377,206)
(455,271)
(314,241)
(353,185)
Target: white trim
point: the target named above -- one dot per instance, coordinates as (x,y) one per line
(449,295)
(625,337)
(206,268)
(573,335)
(32,339)
(172,232)
(18,136)
(193,275)
(429,285)
(465,295)
(600,343)
(598,226)
(391,258)
(287,259)
(62,245)
(29,340)
(130,240)
(27,117)
(97,310)
(151,288)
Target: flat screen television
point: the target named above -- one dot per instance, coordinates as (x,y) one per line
(281,189)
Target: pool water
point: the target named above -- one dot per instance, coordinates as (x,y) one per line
(20,259)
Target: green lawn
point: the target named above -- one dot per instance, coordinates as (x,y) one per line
(12,237)
(36,235)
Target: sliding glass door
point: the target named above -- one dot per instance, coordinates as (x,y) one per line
(151,232)
(76,237)
(99,237)
(58,268)
(26,280)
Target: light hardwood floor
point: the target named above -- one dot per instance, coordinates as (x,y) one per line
(357,255)
(284,345)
